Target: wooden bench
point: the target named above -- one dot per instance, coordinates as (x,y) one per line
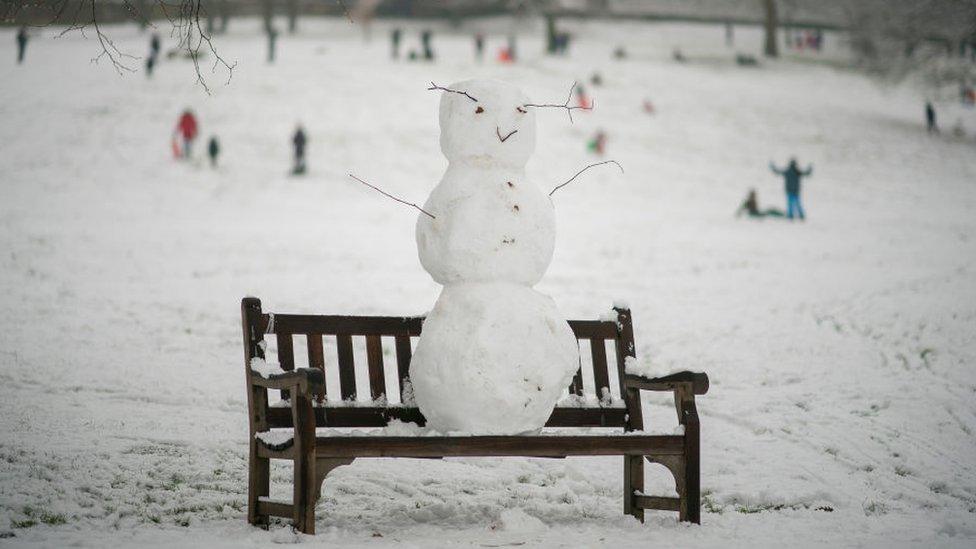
(304,407)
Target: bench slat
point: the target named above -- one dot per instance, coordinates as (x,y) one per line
(601,376)
(316,359)
(347,367)
(592,329)
(374,359)
(403,355)
(486,446)
(348,325)
(374,416)
(660,503)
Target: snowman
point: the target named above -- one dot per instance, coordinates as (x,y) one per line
(495,355)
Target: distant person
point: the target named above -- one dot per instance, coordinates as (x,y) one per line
(598,143)
(582,100)
(750,206)
(678,56)
(596,79)
(428,50)
(791,177)
(930,118)
(395,38)
(648,106)
(213,150)
(153,55)
(21,44)
(154,45)
(186,128)
(272,39)
(512,48)
(479,46)
(298,141)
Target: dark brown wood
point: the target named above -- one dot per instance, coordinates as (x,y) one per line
(601,376)
(658,502)
(316,359)
(304,472)
(491,446)
(347,367)
(274,508)
(576,387)
(375,416)
(697,380)
(693,465)
(286,356)
(374,360)
(259,469)
(349,325)
(403,354)
(589,329)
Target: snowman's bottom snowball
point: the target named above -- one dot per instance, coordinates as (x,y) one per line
(493,358)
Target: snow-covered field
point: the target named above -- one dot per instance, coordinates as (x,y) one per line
(841,350)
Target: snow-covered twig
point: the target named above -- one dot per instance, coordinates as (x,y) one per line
(583,170)
(569,110)
(388,195)
(434,86)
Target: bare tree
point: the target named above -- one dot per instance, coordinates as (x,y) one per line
(183,16)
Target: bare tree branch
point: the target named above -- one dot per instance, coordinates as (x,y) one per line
(583,170)
(434,86)
(388,195)
(569,110)
(108,47)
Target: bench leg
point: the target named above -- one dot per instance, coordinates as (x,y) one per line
(323,466)
(692,479)
(633,482)
(258,484)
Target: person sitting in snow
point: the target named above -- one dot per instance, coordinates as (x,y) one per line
(186,128)
(791,179)
(598,143)
(750,206)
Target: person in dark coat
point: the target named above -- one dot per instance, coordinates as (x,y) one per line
(213,150)
(791,178)
(930,118)
(395,37)
(425,45)
(298,141)
(21,44)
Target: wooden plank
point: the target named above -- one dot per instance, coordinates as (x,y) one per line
(658,502)
(274,508)
(589,329)
(488,446)
(349,325)
(347,367)
(576,387)
(373,416)
(692,464)
(697,380)
(601,376)
(316,359)
(374,360)
(286,351)
(403,355)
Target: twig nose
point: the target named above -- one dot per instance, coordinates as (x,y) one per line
(498,132)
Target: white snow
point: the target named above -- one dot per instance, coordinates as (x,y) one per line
(262,367)
(495,355)
(645,366)
(840,351)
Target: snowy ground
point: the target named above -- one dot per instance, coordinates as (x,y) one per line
(841,350)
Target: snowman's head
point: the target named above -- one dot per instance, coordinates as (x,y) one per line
(486,120)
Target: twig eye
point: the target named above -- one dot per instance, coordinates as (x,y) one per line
(479,110)
(521,110)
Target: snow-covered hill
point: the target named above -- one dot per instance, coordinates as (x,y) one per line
(841,350)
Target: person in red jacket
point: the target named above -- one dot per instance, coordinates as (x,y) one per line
(186,128)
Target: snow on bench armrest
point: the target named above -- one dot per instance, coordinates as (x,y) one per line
(264,369)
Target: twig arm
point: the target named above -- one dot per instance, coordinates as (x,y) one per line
(557,187)
(388,195)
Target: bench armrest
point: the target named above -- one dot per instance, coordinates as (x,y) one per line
(309,381)
(698,381)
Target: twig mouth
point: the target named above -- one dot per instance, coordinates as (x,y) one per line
(499,134)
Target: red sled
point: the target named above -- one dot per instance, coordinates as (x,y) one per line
(175,144)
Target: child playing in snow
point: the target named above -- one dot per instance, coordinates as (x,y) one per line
(186,128)
(751,207)
(791,178)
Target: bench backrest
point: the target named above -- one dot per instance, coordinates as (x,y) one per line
(597,384)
